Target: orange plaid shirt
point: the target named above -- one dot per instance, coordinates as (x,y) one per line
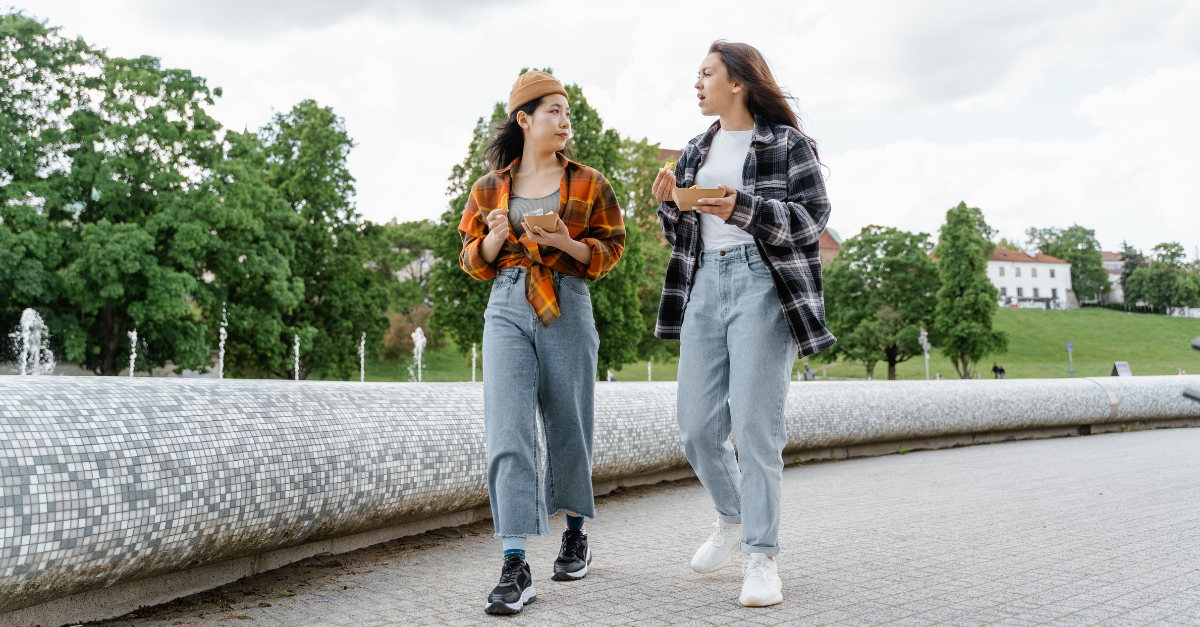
(587,205)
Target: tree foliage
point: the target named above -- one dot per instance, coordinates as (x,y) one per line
(459,300)
(131,156)
(1077,246)
(966,301)
(400,257)
(1132,260)
(879,292)
(1165,282)
(306,152)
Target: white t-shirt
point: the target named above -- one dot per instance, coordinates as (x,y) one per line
(723,165)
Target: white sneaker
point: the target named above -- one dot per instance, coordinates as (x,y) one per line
(715,553)
(760,584)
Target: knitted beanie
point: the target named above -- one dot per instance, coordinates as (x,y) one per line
(533,85)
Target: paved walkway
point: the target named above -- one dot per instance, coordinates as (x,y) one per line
(1073,531)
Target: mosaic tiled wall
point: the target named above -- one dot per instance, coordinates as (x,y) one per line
(110,480)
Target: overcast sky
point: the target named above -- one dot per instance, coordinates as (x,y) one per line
(1040,113)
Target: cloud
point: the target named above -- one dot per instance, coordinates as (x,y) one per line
(1133,180)
(240,18)
(1038,112)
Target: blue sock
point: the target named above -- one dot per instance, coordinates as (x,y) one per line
(514,546)
(574,523)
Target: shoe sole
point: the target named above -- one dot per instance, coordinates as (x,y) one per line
(773,600)
(562,575)
(502,608)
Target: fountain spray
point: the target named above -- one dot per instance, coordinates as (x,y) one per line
(296,352)
(418,338)
(649,375)
(472,362)
(362,357)
(132,350)
(221,346)
(31,341)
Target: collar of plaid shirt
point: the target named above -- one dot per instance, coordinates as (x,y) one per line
(540,266)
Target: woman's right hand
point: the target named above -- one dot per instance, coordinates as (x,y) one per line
(664,184)
(497,222)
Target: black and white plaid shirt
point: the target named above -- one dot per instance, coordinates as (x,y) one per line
(783,204)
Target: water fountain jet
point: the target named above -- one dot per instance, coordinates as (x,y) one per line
(31,341)
(418,338)
(132,350)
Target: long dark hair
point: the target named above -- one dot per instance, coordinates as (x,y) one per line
(508,139)
(764,98)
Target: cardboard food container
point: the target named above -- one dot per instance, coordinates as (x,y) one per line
(548,222)
(686,198)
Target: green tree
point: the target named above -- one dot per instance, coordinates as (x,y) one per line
(234,234)
(966,301)
(400,256)
(1133,259)
(459,300)
(1077,246)
(879,292)
(640,165)
(615,303)
(987,233)
(306,152)
(130,157)
(44,78)
(1165,282)
(1009,244)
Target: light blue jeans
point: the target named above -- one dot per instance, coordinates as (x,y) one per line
(735,360)
(538,379)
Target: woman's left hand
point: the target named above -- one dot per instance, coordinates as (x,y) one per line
(720,207)
(560,239)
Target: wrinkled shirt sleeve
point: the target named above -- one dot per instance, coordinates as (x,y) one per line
(605,233)
(473,228)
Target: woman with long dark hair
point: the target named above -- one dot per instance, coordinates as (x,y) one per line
(746,269)
(539,337)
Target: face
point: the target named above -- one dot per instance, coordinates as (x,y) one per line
(549,127)
(718,93)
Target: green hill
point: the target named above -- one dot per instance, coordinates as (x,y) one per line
(1152,345)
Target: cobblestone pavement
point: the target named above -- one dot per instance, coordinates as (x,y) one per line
(1072,531)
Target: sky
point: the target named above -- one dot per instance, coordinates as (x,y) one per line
(1042,114)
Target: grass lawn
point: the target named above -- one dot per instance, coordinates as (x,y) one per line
(1151,344)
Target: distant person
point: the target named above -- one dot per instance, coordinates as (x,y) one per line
(746,269)
(539,336)
(1001,371)
(995,371)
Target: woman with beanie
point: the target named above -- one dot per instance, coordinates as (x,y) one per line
(746,270)
(539,337)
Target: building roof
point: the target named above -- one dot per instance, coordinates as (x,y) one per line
(666,154)
(1111,256)
(1004,254)
(830,245)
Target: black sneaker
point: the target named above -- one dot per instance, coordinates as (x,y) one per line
(514,590)
(573,557)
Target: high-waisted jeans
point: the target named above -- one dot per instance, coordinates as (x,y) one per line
(735,359)
(538,379)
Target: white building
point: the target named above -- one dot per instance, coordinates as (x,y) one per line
(1031,280)
(1113,263)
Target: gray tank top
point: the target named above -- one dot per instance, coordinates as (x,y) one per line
(518,206)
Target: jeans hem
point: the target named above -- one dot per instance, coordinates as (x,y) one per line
(518,535)
(585,515)
(769,551)
(731,520)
